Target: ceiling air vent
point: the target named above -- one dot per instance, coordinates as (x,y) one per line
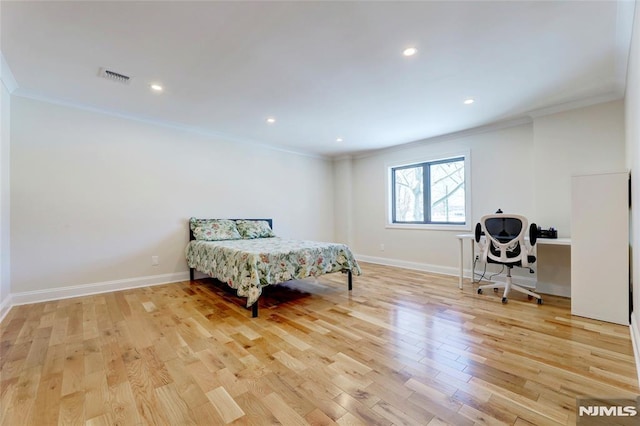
(114,76)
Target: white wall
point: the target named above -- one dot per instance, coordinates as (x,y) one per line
(632,126)
(435,247)
(576,142)
(94,196)
(523,169)
(5,121)
(343,199)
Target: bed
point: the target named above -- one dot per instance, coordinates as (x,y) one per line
(247,256)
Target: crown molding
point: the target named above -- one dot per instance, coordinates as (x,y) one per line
(519,121)
(527,118)
(343,157)
(581,103)
(23,93)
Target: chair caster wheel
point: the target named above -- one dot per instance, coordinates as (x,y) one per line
(504,300)
(539,301)
(479,291)
(495,290)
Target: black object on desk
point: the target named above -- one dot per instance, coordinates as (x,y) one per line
(547,233)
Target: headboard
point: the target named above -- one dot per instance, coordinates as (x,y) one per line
(269,221)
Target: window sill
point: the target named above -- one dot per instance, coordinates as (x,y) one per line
(428,227)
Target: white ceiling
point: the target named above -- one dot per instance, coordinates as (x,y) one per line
(322,69)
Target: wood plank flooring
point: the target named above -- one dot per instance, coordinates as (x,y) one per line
(404,348)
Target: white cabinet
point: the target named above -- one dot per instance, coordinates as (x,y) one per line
(600,247)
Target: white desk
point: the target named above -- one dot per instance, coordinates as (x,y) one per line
(471,238)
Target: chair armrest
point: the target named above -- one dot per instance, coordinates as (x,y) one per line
(478,232)
(533,234)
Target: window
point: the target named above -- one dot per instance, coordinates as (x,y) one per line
(432,192)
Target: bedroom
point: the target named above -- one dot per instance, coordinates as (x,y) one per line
(102,192)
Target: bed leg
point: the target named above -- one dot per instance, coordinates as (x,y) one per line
(350,279)
(254,310)
(191,274)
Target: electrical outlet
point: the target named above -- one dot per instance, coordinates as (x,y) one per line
(155,261)
(381,247)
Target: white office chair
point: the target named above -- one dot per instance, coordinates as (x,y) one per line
(504,243)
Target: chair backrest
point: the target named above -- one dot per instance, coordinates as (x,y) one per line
(505,234)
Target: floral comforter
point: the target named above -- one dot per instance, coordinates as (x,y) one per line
(249,265)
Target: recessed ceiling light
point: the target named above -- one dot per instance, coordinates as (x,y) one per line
(156,87)
(468,101)
(271,120)
(409,51)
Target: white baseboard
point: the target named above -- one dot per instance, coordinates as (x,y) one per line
(5,307)
(635,342)
(555,289)
(58,293)
(426,267)
(521,280)
(438,269)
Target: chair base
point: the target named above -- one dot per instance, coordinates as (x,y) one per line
(508,286)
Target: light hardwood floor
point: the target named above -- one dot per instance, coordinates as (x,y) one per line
(405,347)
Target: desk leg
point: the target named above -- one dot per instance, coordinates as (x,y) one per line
(473,256)
(461,259)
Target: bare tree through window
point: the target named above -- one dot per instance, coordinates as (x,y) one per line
(447,192)
(442,202)
(409,195)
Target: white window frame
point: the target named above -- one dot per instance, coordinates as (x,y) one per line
(430,226)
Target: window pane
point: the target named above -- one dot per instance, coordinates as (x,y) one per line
(409,205)
(447,192)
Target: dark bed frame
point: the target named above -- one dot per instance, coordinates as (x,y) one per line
(254,307)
